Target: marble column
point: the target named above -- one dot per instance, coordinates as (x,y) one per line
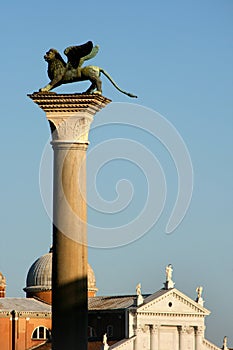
(154,339)
(199,335)
(182,336)
(138,339)
(70,117)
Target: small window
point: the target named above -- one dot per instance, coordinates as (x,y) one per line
(109,330)
(41,332)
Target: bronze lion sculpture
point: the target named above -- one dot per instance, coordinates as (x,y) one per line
(61,72)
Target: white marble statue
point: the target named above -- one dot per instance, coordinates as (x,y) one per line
(169,273)
(105,345)
(105,339)
(140,298)
(224,347)
(199,299)
(199,291)
(138,289)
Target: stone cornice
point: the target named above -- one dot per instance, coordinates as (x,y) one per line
(197,308)
(170,314)
(52,102)
(23,314)
(37,289)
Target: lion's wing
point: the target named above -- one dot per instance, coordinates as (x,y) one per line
(75,53)
(92,54)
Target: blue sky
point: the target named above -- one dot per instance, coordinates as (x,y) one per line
(177,57)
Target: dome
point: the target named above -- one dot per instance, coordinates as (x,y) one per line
(39,277)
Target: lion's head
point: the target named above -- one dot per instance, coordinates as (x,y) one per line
(52,55)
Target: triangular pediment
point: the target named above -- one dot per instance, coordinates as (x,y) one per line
(172,301)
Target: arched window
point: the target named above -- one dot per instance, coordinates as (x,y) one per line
(109,330)
(41,332)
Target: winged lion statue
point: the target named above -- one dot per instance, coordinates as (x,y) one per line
(60,72)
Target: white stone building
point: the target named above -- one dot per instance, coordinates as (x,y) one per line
(165,320)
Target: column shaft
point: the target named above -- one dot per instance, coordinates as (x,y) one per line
(182,334)
(69,293)
(138,340)
(154,343)
(199,335)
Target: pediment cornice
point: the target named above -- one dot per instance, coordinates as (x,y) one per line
(191,307)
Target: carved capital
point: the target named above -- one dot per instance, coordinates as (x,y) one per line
(138,330)
(146,328)
(186,329)
(70,115)
(200,330)
(155,329)
(70,128)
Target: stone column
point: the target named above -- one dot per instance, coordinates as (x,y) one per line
(199,335)
(182,335)
(138,339)
(154,340)
(70,117)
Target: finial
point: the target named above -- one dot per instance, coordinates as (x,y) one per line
(169,283)
(199,298)
(139,294)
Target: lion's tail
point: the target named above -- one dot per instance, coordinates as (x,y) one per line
(114,84)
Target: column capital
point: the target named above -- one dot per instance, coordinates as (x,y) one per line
(69,115)
(138,330)
(185,329)
(155,328)
(146,328)
(199,330)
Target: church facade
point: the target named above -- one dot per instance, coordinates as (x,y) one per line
(164,320)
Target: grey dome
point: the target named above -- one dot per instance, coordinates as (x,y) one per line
(39,276)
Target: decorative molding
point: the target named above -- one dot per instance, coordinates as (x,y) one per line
(69,115)
(209,345)
(52,102)
(123,344)
(26,314)
(170,314)
(200,310)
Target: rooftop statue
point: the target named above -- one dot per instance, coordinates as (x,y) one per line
(60,72)
(169,271)
(224,347)
(199,298)
(199,291)
(138,289)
